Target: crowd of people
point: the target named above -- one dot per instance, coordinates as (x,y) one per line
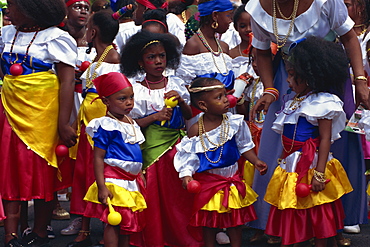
(155,114)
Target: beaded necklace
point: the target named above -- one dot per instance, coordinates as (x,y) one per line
(130,122)
(280,42)
(225,127)
(148,86)
(89,78)
(18,66)
(154,82)
(209,48)
(259,117)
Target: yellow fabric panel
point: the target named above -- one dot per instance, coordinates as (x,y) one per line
(31,104)
(280,191)
(235,200)
(121,197)
(88,111)
(368,189)
(248,174)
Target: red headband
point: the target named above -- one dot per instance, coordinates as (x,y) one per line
(110,83)
(70,2)
(149,5)
(165,27)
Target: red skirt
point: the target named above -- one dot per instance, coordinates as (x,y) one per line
(169,207)
(132,222)
(24,175)
(2,215)
(299,225)
(83,176)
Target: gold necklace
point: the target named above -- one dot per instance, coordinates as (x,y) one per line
(281,13)
(183,16)
(362,32)
(292,145)
(131,123)
(297,100)
(225,127)
(240,52)
(89,79)
(280,42)
(259,117)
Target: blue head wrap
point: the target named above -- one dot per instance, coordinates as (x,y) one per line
(214,6)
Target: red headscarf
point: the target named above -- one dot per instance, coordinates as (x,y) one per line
(110,83)
(70,2)
(149,5)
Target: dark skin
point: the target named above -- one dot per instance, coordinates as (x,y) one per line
(76,23)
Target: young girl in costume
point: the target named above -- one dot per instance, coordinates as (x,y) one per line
(209,154)
(38,60)
(152,53)
(117,162)
(102,29)
(308,124)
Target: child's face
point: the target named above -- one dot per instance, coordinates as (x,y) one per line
(154,60)
(121,102)
(296,84)
(244,26)
(78,14)
(216,101)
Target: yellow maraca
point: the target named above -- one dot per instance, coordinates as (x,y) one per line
(170,103)
(114,218)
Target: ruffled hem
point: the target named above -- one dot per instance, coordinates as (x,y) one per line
(235,200)
(133,200)
(320,222)
(110,124)
(213,219)
(131,221)
(314,107)
(280,191)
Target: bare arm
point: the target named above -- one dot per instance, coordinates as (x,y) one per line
(103,191)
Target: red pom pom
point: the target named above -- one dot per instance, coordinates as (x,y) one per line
(193,186)
(84,66)
(16,69)
(61,150)
(232,100)
(302,190)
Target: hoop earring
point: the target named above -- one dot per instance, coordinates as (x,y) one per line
(214,25)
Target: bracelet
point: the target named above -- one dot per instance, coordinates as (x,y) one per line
(319,176)
(241,101)
(361,77)
(272,91)
(270,94)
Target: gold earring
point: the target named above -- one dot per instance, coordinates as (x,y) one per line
(214,25)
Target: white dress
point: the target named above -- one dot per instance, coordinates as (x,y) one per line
(176,27)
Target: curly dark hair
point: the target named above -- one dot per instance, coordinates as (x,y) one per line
(155,14)
(107,25)
(322,64)
(237,14)
(131,52)
(201,82)
(46,13)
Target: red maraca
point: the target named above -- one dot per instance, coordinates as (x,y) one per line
(84,65)
(303,189)
(193,186)
(232,100)
(16,69)
(61,150)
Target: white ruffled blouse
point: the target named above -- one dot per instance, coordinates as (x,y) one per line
(364,123)
(314,107)
(186,160)
(149,101)
(321,17)
(51,45)
(103,69)
(176,27)
(202,63)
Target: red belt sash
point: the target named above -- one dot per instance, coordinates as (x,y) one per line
(118,173)
(212,183)
(308,153)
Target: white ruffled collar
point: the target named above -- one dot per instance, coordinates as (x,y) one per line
(193,144)
(110,124)
(303,22)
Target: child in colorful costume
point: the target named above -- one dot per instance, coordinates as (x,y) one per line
(309,124)
(37,96)
(117,162)
(210,154)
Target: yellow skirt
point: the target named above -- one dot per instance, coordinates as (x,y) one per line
(121,197)
(280,191)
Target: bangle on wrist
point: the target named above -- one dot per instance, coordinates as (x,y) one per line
(361,77)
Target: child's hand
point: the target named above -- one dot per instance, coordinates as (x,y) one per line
(164,114)
(67,135)
(261,167)
(317,186)
(175,94)
(185,181)
(103,193)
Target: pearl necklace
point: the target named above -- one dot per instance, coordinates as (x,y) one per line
(130,122)
(225,127)
(280,42)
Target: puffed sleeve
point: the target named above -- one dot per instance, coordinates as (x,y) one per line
(186,161)
(243,135)
(63,49)
(337,13)
(102,138)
